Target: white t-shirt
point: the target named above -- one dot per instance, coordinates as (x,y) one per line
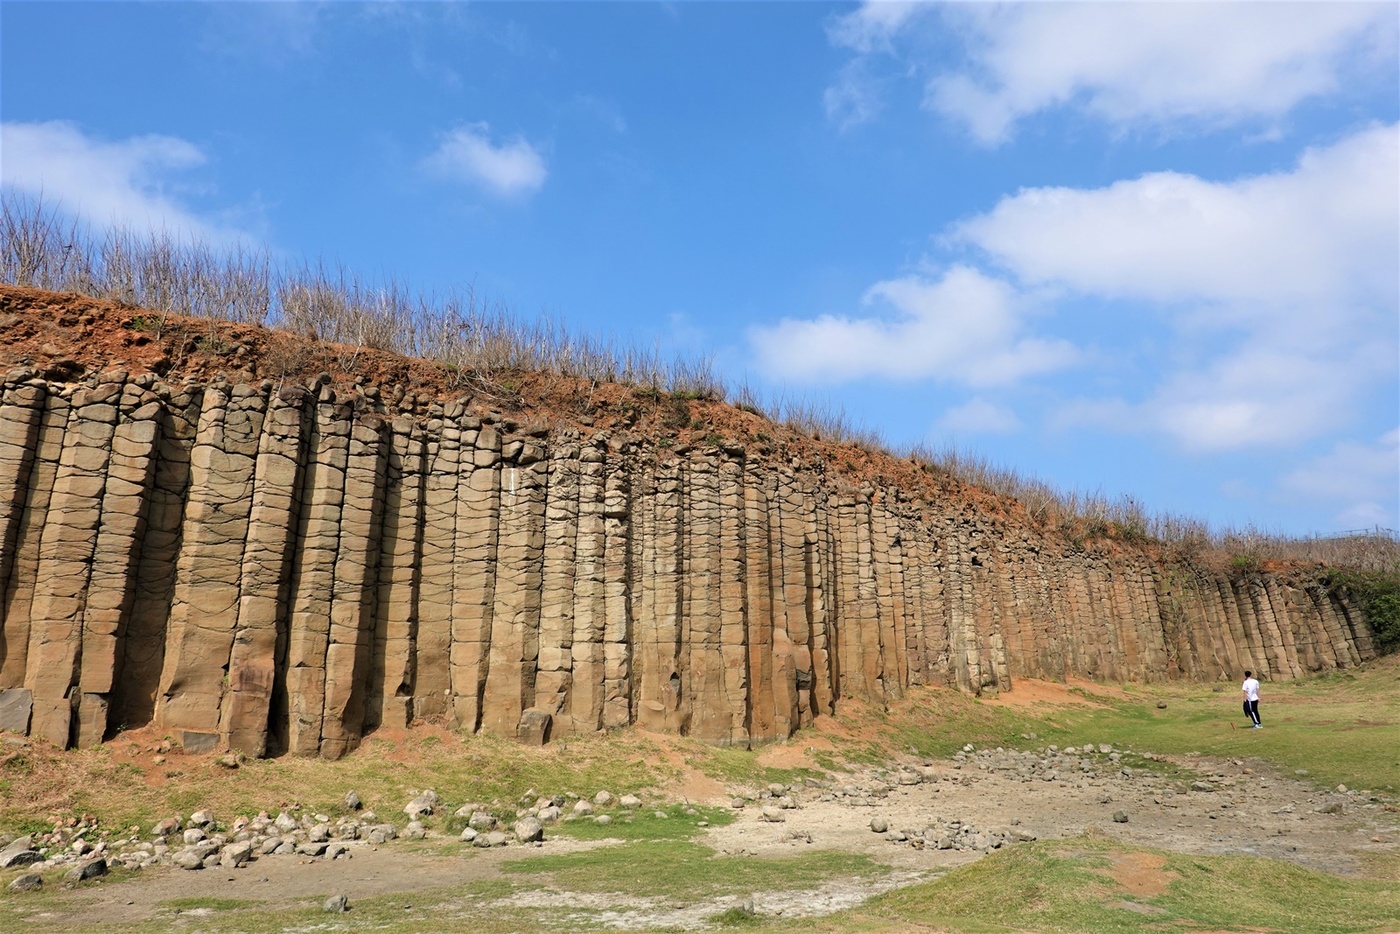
(1250,688)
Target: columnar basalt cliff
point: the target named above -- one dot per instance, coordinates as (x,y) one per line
(278,566)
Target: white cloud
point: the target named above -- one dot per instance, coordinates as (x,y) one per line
(1325,233)
(1254,396)
(965,327)
(122,183)
(467,154)
(979,416)
(1282,287)
(871,26)
(1128,64)
(854,98)
(1363,477)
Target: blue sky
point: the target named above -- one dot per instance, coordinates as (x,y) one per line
(1139,249)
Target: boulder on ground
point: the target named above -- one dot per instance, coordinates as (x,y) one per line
(421,805)
(529,830)
(89,870)
(19,852)
(533,726)
(28,882)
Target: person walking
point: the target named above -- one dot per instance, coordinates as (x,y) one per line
(1251,699)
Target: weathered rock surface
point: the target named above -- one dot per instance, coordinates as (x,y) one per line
(266,568)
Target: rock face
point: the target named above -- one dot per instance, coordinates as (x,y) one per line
(272,568)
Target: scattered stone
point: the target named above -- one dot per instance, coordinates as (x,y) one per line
(529,830)
(29,882)
(189,859)
(1120,817)
(422,805)
(630,801)
(602,819)
(533,727)
(229,761)
(879,825)
(603,799)
(336,904)
(235,855)
(19,852)
(89,870)
(352,801)
(772,815)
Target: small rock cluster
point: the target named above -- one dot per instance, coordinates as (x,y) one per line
(1049,764)
(952,835)
(199,841)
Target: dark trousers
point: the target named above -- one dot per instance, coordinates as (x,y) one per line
(1251,710)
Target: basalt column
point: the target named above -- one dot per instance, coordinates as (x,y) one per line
(314,577)
(733,630)
(161,546)
(266,571)
(391,678)
(509,685)
(617,601)
(556,639)
(33,429)
(65,562)
(584,710)
(351,634)
(111,587)
(475,568)
(21,415)
(204,613)
(660,690)
(447,460)
(703,673)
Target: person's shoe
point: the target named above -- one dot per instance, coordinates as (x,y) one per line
(1258,726)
